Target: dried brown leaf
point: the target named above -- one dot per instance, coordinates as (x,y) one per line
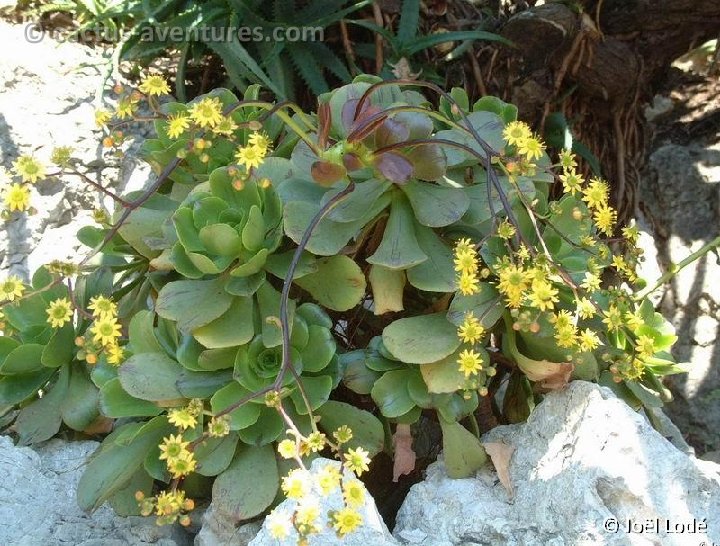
(404,461)
(500,455)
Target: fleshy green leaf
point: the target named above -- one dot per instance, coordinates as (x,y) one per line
(192,303)
(436,206)
(113,466)
(387,288)
(242,417)
(421,340)
(235,327)
(366,428)
(338,284)
(391,395)
(151,376)
(399,248)
(116,403)
(462,451)
(248,486)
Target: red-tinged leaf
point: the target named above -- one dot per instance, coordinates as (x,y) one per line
(429,162)
(391,132)
(367,125)
(500,455)
(394,167)
(404,460)
(326,173)
(352,162)
(324,124)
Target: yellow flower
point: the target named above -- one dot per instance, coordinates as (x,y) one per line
(613,318)
(279,524)
(470,362)
(605,217)
(61,155)
(287,449)
(468,284)
(172,447)
(297,484)
(571,181)
(59,312)
(102,117)
(466,261)
(105,330)
(567,160)
(154,85)
(306,516)
(354,493)
(506,230)
(115,354)
(177,124)
(357,460)
(17,197)
(226,127)
(464,245)
(346,521)
(316,442)
(343,434)
(543,296)
(561,319)
(260,141)
(102,307)
(219,426)
(631,233)
(471,331)
(182,465)
(532,148)
(513,282)
(11,288)
(645,346)
(588,340)
(516,133)
(169,502)
(329,479)
(207,112)
(633,321)
(126,108)
(29,169)
(566,336)
(591,283)
(250,156)
(596,193)
(182,418)
(585,308)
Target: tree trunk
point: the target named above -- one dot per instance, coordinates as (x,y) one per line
(598,65)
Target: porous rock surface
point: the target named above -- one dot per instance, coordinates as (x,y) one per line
(583,461)
(38,506)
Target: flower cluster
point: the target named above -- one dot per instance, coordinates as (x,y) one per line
(303,486)
(466,267)
(104,333)
(169,506)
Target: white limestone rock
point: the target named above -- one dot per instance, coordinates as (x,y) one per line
(38,506)
(584,458)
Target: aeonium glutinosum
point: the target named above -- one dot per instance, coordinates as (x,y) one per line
(216,342)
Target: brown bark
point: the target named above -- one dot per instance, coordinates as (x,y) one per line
(599,66)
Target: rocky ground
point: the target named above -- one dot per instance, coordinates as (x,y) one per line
(680,200)
(49,92)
